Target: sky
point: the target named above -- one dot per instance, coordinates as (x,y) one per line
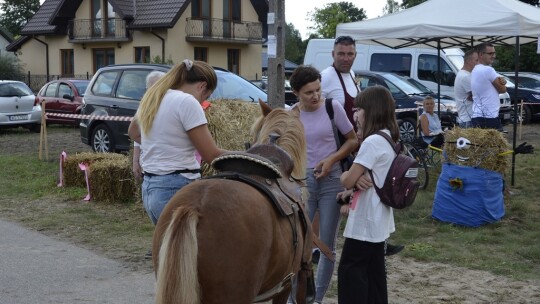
(296,11)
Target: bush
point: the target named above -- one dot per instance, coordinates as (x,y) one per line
(11,68)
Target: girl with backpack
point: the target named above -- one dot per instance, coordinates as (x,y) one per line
(362,269)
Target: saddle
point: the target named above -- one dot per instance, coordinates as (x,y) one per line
(268,168)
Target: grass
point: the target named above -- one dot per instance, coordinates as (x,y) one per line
(509,247)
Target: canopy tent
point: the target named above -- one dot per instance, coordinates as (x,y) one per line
(456,23)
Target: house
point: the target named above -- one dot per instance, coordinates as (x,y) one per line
(5,40)
(77,37)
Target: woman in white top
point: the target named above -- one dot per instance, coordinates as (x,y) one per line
(172,127)
(430,124)
(362,271)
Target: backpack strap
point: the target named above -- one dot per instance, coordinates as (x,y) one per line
(397,150)
(330,112)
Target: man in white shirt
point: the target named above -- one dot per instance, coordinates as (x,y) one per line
(337,80)
(462,89)
(486,86)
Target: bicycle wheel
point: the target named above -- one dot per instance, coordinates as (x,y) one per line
(423,175)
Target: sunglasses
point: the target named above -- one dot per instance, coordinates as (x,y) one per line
(341,39)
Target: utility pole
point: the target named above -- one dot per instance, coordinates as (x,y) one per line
(276,53)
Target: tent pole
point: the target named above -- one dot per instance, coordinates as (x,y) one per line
(516,69)
(439,77)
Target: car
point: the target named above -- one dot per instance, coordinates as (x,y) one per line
(407,93)
(116,90)
(526,79)
(19,107)
(290,98)
(527,95)
(63,96)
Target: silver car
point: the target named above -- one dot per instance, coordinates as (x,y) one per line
(19,106)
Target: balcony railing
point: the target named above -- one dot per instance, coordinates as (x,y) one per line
(210,29)
(94,30)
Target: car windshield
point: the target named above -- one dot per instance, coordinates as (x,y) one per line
(14,89)
(406,86)
(232,86)
(81,87)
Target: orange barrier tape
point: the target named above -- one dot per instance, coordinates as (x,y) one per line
(95,117)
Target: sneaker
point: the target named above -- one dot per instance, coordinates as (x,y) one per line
(148,255)
(393,249)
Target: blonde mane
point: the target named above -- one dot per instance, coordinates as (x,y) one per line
(288,126)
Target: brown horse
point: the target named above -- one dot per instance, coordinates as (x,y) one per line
(222,241)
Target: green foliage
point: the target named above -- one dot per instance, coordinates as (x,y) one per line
(327,18)
(16,14)
(11,67)
(410,3)
(294,46)
(390,7)
(157,60)
(529,60)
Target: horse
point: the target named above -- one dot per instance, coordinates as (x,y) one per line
(222,240)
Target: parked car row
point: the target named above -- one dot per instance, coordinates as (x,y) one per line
(63,97)
(528,92)
(116,91)
(290,98)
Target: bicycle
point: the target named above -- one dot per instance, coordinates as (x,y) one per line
(423,174)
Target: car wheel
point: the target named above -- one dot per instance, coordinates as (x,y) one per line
(102,139)
(526,115)
(407,130)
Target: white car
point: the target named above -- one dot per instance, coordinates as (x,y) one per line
(19,106)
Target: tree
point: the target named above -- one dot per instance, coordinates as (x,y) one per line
(390,7)
(11,67)
(16,13)
(294,47)
(410,3)
(327,18)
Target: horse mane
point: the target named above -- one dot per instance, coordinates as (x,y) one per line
(290,129)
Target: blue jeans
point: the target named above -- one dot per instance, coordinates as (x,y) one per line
(322,197)
(158,190)
(466,124)
(487,123)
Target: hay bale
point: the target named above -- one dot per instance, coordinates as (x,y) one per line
(229,122)
(73,176)
(111,180)
(484,152)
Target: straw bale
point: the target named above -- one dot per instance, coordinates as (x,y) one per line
(111,180)
(73,176)
(487,145)
(229,122)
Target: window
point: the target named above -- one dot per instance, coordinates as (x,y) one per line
(231,13)
(427,70)
(233,60)
(142,54)
(200,9)
(104,83)
(51,90)
(201,53)
(132,84)
(102,57)
(66,60)
(64,89)
(395,63)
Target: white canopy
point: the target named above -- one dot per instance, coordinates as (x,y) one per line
(457,23)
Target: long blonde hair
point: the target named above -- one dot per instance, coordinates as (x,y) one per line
(178,75)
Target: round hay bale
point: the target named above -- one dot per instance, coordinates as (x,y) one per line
(484,151)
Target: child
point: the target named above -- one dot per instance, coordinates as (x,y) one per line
(362,270)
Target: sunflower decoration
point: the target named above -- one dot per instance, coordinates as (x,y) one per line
(456,184)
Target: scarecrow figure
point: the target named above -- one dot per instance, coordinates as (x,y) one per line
(470,189)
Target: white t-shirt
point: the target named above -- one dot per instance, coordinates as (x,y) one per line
(371,220)
(486,101)
(462,87)
(331,86)
(168,148)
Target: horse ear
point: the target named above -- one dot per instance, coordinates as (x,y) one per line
(266,109)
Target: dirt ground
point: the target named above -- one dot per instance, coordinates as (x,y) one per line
(409,281)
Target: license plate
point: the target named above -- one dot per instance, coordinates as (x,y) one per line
(18,117)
